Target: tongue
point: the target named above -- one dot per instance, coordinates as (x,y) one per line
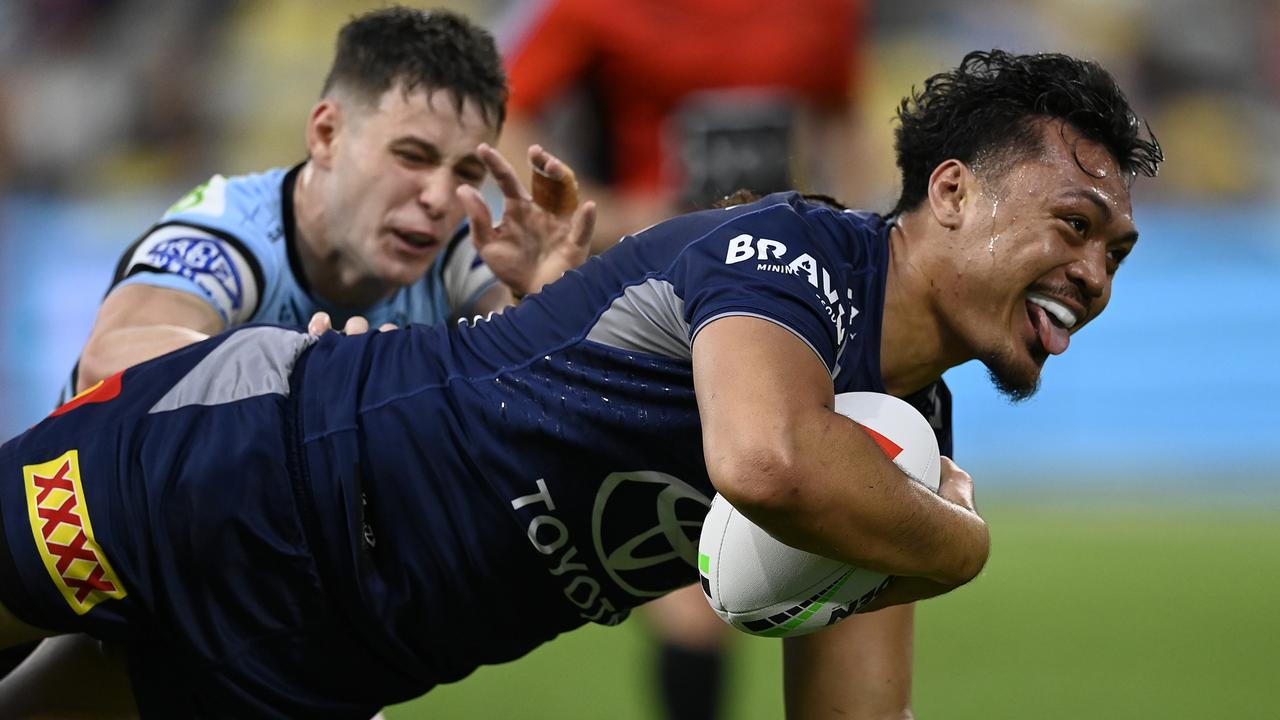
(1055,339)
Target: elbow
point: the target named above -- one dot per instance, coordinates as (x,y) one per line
(758,481)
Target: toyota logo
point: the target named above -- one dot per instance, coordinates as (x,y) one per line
(648,554)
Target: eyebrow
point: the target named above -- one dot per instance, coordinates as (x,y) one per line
(1103,207)
(421,145)
(431,150)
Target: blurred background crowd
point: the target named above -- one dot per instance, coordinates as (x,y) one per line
(111,109)
(119,96)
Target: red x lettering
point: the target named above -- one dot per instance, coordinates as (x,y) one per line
(68,554)
(62,515)
(59,481)
(90,584)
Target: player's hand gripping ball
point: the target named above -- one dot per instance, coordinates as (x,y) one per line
(765,587)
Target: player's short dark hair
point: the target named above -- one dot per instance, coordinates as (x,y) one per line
(432,50)
(985,112)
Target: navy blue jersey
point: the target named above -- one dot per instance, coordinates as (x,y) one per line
(544,466)
(286,527)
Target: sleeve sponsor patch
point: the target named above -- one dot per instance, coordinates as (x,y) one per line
(64,535)
(768,263)
(215,268)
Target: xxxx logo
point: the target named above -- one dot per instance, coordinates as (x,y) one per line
(64,535)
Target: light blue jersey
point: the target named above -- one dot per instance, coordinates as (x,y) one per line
(230,242)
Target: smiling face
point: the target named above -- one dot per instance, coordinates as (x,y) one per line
(1031,256)
(389,177)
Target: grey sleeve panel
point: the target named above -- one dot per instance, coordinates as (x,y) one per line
(648,318)
(251,362)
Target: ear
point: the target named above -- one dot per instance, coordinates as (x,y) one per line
(323,127)
(950,186)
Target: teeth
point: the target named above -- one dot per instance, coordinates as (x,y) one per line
(1057,310)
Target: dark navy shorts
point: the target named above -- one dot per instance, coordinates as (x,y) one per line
(161,510)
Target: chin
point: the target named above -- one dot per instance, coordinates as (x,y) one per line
(1016,377)
(401,273)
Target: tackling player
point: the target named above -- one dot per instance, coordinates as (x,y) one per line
(371,224)
(276,525)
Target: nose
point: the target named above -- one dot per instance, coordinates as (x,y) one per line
(436,192)
(1089,272)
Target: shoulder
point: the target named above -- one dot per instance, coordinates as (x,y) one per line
(220,195)
(243,212)
(208,263)
(781,227)
(243,205)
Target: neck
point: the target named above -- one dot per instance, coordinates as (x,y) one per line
(328,271)
(915,347)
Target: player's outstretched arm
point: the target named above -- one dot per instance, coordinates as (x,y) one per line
(140,322)
(858,669)
(777,451)
(541,235)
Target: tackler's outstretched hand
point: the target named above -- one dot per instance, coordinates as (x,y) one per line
(320,323)
(543,233)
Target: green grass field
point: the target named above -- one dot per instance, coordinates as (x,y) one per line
(1116,610)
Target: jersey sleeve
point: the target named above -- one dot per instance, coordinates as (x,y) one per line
(767,264)
(934,403)
(464,274)
(211,266)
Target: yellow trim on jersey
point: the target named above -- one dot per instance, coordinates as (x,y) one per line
(64,535)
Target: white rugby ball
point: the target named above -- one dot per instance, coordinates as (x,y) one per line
(765,587)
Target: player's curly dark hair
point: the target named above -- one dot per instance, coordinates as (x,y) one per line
(984,114)
(433,50)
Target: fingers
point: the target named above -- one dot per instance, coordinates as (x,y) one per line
(477,213)
(356,325)
(555,187)
(584,225)
(955,484)
(503,174)
(950,468)
(552,166)
(319,324)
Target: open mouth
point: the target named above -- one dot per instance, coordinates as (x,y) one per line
(415,241)
(1052,321)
